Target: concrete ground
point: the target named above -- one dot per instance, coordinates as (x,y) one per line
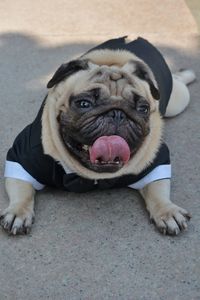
(97,246)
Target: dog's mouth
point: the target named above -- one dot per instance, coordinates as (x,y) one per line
(106,154)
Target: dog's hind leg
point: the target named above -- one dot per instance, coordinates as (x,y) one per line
(180,96)
(19,215)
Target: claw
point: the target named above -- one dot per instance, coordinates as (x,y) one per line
(163,230)
(14,231)
(188,216)
(184,225)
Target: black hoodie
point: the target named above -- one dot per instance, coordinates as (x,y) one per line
(27,161)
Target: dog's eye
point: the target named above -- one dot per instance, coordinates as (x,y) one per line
(84,104)
(143,108)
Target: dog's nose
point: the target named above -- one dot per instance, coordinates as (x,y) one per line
(117,115)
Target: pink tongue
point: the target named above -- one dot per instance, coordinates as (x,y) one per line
(109,149)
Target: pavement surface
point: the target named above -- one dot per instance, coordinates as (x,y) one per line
(98,246)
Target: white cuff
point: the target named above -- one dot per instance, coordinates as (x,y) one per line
(160,172)
(15,170)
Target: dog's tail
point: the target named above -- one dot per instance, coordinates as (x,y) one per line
(180,96)
(185,76)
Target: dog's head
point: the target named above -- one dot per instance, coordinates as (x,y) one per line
(101,113)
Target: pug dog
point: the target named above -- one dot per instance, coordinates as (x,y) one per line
(101,127)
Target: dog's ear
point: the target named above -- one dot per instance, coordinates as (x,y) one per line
(66,70)
(144,73)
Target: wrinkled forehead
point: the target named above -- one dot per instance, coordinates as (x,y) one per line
(113,80)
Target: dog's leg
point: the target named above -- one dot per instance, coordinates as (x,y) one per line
(18,216)
(180,96)
(168,217)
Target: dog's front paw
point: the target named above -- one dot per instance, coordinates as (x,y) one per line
(17,221)
(171,219)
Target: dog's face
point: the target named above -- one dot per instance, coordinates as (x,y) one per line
(103,111)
